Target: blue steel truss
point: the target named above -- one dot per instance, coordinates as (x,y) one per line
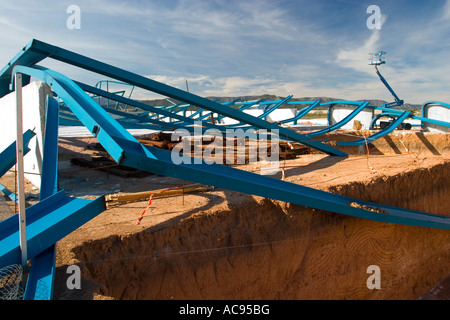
(126,150)
(56,215)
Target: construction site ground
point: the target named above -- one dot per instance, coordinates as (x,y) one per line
(221,244)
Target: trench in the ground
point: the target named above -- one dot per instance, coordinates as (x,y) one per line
(274,250)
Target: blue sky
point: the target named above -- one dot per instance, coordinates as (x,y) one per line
(230,48)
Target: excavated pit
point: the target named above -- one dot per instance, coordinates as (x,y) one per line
(263,249)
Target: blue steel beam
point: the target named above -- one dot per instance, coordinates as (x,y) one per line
(424,106)
(66,56)
(398,101)
(302,112)
(126,150)
(27,56)
(274,107)
(424,114)
(8,193)
(341,123)
(394,124)
(95,119)
(205,116)
(48,221)
(423,118)
(243,106)
(392,115)
(143,106)
(49,182)
(433,121)
(42,273)
(237,180)
(166,108)
(8,160)
(141,123)
(8,156)
(40,282)
(271,105)
(185,121)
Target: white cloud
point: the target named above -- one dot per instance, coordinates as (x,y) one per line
(446,11)
(205,85)
(357,58)
(245,47)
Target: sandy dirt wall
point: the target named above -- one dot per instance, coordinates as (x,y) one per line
(273,250)
(418,144)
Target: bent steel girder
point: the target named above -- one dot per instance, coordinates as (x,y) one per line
(183,120)
(392,115)
(302,112)
(36,51)
(270,107)
(423,118)
(42,273)
(337,125)
(398,101)
(424,114)
(391,127)
(148,124)
(8,156)
(126,150)
(8,160)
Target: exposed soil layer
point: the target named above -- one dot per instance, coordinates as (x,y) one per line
(417,143)
(228,245)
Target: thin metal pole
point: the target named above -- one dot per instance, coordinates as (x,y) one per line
(20,171)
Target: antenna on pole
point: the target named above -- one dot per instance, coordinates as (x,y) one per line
(377,60)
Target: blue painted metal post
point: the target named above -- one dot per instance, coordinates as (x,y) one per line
(42,273)
(398,101)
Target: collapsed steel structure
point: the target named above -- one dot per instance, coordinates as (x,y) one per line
(57,215)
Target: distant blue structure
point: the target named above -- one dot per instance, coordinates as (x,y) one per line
(377,62)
